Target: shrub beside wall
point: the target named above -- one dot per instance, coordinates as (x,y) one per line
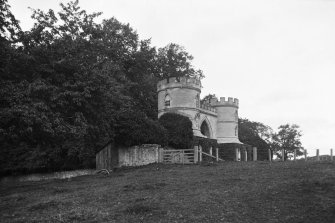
(179,129)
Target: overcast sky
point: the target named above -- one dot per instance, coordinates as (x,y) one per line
(277,57)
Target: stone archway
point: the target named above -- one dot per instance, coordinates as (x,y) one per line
(205,129)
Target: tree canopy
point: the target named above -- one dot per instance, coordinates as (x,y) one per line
(287,139)
(174,61)
(254,134)
(71,84)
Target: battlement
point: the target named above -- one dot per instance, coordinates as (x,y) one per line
(208,108)
(223,102)
(182,82)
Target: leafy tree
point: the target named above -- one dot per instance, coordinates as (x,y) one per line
(255,134)
(179,128)
(70,84)
(288,139)
(174,61)
(65,86)
(9,26)
(10,31)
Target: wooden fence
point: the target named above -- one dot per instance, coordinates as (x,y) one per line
(317,157)
(187,156)
(181,156)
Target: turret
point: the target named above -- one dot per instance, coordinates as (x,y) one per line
(180,96)
(227,120)
(178,93)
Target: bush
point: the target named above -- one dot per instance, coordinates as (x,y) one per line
(179,128)
(136,128)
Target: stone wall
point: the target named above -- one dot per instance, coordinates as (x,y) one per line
(111,157)
(47,176)
(139,155)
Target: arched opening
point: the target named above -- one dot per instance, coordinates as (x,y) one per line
(204,129)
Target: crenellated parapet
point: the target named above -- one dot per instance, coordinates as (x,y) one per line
(231,102)
(182,82)
(208,108)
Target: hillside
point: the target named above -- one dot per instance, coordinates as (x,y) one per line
(227,192)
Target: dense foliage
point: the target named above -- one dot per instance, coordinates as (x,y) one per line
(179,127)
(174,61)
(135,129)
(70,84)
(264,138)
(252,133)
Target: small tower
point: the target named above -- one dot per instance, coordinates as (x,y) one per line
(227,120)
(180,96)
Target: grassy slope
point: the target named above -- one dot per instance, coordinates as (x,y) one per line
(227,192)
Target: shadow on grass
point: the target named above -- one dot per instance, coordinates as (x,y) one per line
(134,187)
(44,206)
(325,185)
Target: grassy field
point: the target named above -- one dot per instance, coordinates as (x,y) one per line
(225,192)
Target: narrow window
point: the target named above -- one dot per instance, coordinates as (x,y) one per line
(167,101)
(197,101)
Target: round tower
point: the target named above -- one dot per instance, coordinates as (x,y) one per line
(227,120)
(182,96)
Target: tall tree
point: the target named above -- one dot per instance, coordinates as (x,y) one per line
(174,61)
(255,134)
(288,139)
(69,87)
(71,84)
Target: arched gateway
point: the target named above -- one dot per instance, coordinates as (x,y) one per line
(214,119)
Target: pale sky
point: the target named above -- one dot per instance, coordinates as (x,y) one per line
(276,57)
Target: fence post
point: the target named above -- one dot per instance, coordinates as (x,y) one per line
(245,155)
(317,155)
(331,155)
(160,155)
(211,151)
(295,154)
(200,154)
(236,154)
(270,157)
(254,153)
(183,156)
(305,153)
(283,155)
(217,154)
(196,153)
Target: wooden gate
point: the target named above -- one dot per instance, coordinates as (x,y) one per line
(181,156)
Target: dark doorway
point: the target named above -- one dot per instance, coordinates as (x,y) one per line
(204,129)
